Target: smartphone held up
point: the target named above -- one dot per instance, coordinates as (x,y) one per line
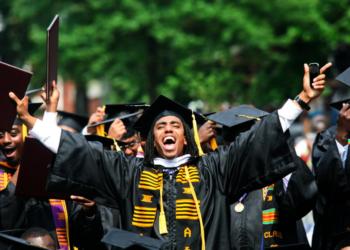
(314,69)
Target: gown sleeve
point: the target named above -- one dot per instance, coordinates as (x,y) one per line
(300,196)
(11,208)
(86,230)
(253,160)
(86,169)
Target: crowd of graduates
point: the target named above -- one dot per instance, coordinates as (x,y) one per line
(162,176)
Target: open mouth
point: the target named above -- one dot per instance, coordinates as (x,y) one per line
(8,152)
(169,142)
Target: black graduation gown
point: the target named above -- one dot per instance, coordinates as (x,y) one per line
(332,211)
(253,160)
(110,218)
(292,204)
(23,213)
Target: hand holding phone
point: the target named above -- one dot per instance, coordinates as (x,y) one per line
(314,71)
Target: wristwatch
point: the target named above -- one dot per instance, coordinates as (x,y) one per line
(301,103)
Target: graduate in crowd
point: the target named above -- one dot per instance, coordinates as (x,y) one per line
(331,162)
(19,212)
(68,222)
(175,193)
(121,136)
(116,121)
(105,217)
(70,121)
(271,216)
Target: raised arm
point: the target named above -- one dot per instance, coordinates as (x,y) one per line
(262,155)
(80,167)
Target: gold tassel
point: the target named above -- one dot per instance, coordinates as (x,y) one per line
(213,144)
(196,136)
(117,148)
(100,129)
(162,220)
(249,117)
(193,192)
(24,132)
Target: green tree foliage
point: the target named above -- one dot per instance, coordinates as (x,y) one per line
(238,51)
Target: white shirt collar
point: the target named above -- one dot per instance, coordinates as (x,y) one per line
(173,163)
(343,151)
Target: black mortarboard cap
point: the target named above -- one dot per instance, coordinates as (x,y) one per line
(344,77)
(107,143)
(129,240)
(202,118)
(339,104)
(51,55)
(32,177)
(121,117)
(236,120)
(12,79)
(9,242)
(126,112)
(237,115)
(17,232)
(113,110)
(72,120)
(301,246)
(160,105)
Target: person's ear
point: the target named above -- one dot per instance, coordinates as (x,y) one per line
(185,141)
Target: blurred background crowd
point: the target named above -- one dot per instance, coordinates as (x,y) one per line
(211,55)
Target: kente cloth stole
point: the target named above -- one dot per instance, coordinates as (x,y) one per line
(146,206)
(58,208)
(60,216)
(6,173)
(272,236)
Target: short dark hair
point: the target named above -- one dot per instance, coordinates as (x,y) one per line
(35,232)
(129,133)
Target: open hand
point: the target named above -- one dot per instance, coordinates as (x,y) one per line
(97,116)
(51,106)
(318,84)
(117,129)
(88,205)
(22,110)
(206,132)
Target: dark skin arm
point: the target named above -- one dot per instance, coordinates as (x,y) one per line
(94,118)
(206,132)
(51,106)
(117,129)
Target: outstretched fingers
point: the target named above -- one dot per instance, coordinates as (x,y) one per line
(325,67)
(15,98)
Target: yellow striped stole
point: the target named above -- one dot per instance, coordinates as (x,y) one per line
(4,179)
(186,209)
(144,216)
(150,181)
(193,172)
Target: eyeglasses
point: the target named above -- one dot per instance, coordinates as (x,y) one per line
(129,145)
